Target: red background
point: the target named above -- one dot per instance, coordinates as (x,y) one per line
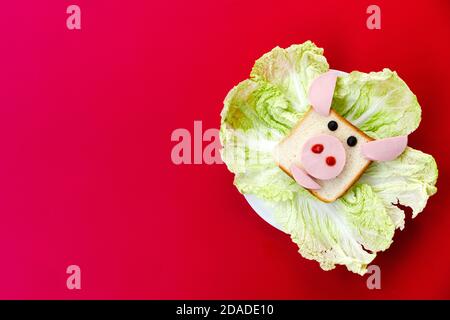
(86,176)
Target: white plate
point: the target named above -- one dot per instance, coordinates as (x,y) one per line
(261,207)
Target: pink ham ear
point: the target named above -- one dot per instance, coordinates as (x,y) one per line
(384,149)
(321,92)
(303,178)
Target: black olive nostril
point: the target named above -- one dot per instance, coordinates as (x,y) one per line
(352,141)
(332,125)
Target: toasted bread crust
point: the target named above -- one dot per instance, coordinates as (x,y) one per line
(357,176)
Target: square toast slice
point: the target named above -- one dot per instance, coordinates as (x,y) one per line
(288,151)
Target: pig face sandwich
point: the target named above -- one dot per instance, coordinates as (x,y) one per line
(328,152)
(324,146)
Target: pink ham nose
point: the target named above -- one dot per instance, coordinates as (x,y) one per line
(323,157)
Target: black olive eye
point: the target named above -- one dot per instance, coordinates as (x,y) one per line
(352,141)
(332,125)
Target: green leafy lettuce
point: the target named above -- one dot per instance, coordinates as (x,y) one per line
(378,103)
(261,110)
